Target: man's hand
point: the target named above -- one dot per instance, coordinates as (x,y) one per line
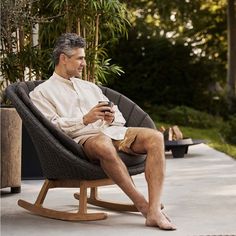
(109,116)
(100,112)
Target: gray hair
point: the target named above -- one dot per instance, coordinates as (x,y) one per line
(65,44)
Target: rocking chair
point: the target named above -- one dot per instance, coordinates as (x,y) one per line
(63,162)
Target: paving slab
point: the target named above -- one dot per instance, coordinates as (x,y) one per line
(199,196)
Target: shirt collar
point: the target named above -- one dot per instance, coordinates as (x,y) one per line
(60,78)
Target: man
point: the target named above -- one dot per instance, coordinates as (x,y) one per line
(73,105)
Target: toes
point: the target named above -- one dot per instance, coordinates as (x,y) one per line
(162,222)
(167,227)
(162,226)
(166,224)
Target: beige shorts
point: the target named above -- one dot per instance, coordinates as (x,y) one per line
(123,145)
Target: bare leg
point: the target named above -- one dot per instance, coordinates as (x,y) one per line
(114,167)
(147,141)
(151,142)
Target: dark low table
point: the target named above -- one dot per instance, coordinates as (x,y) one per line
(180,147)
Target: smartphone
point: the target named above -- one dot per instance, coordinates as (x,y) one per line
(108,103)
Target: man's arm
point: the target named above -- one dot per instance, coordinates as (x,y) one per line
(66,124)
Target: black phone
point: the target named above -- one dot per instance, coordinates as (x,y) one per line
(108,103)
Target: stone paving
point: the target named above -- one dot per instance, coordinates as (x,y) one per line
(199,196)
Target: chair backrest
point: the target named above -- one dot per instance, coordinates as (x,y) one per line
(133,114)
(23,89)
(59,155)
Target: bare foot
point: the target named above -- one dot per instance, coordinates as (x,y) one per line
(159,220)
(144,209)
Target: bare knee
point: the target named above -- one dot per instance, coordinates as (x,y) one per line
(155,140)
(156,154)
(101,148)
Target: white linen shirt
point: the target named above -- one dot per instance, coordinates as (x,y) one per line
(65,102)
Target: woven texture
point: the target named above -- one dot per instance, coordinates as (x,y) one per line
(59,155)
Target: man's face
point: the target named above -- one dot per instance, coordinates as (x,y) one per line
(75,63)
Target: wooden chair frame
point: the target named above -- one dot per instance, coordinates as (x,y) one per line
(81,214)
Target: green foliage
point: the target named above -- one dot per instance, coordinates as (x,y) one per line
(29,30)
(10,65)
(200,24)
(176,54)
(100,22)
(158,72)
(213,138)
(19,57)
(105,69)
(182,115)
(228,130)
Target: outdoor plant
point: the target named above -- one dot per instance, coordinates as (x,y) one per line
(228,130)
(29,29)
(186,116)
(100,22)
(20,53)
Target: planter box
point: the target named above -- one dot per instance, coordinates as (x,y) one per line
(11,126)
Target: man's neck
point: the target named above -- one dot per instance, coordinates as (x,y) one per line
(61,73)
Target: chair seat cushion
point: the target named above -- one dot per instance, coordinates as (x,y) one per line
(132,160)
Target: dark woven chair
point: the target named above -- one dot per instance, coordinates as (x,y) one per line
(63,162)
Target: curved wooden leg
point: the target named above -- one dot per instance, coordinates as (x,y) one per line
(61,215)
(80,215)
(96,201)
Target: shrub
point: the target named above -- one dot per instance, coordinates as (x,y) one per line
(228,130)
(182,115)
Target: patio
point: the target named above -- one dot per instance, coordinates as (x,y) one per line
(199,196)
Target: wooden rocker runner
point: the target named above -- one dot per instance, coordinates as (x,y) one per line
(63,161)
(82,213)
